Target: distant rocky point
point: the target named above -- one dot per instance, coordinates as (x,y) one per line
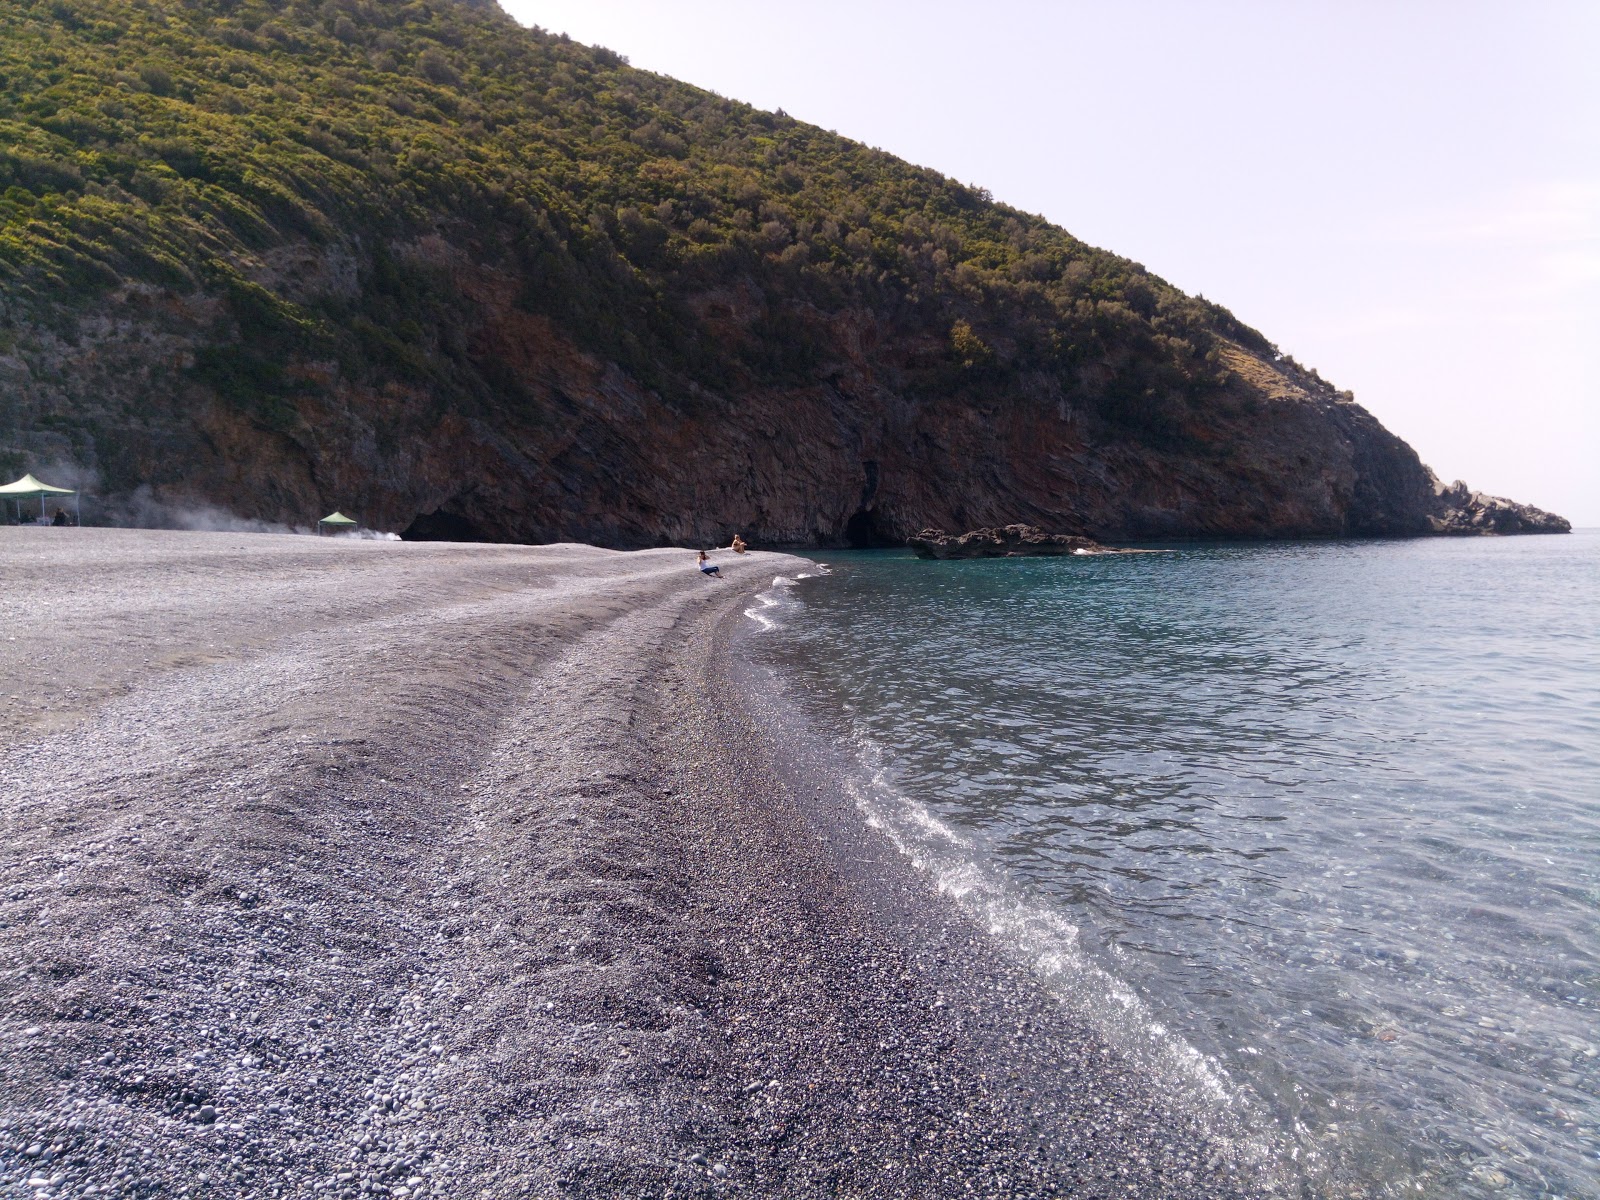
(1458,511)
(1462,512)
(1009,541)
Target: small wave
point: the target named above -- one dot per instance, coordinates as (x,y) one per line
(768,600)
(1049,944)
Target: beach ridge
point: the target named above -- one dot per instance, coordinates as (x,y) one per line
(345,867)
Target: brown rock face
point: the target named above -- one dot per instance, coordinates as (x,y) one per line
(545,441)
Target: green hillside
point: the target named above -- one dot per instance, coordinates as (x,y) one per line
(163,142)
(412,261)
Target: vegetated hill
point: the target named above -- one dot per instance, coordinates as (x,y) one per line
(455,276)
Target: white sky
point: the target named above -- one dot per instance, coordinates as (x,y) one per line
(1403,194)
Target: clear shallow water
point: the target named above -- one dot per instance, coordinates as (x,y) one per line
(1312,829)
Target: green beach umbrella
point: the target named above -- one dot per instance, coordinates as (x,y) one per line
(336,521)
(28,487)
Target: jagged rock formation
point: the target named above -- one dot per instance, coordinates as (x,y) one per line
(468,280)
(1010,541)
(1460,510)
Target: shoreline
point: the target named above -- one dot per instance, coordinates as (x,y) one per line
(977,1078)
(424,869)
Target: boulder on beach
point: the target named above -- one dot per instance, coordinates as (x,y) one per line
(1010,541)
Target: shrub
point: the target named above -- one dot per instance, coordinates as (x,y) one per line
(970,350)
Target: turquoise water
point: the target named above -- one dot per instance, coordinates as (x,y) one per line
(1312,830)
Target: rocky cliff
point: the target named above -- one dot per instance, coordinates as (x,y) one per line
(466,280)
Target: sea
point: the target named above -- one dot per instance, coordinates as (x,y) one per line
(1310,831)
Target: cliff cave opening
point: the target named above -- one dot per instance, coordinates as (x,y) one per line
(865,531)
(442,526)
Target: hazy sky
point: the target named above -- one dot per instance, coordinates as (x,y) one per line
(1404,195)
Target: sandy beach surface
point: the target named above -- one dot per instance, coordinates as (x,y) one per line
(338,867)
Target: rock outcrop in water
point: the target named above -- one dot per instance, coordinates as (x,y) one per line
(473,281)
(1010,541)
(1461,511)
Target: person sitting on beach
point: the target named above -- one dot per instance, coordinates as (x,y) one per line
(738,545)
(707,567)
(60,518)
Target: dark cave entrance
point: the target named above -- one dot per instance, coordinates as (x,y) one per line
(865,531)
(442,526)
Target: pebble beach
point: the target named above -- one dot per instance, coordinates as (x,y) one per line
(361,868)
